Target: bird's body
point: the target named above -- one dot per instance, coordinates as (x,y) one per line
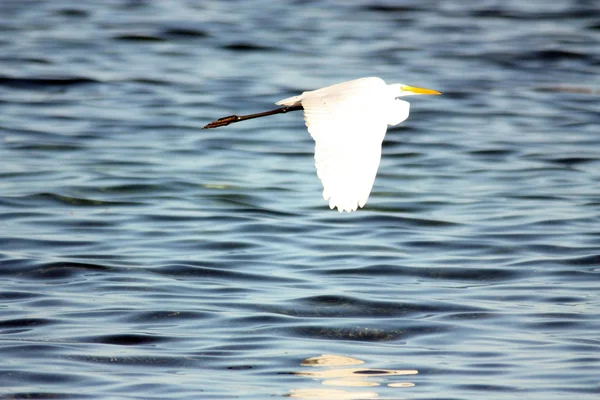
(348,122)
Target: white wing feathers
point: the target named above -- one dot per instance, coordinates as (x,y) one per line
(348,123)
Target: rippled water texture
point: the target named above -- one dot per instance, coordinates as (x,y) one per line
(142,257)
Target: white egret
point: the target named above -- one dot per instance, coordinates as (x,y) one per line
(348,122)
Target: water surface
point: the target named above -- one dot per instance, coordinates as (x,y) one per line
(142,257)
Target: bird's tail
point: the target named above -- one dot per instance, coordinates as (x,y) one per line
(290,101)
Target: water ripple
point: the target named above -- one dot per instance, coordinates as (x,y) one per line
(141,256)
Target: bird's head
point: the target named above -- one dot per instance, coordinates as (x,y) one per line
(399,108)
(405,90)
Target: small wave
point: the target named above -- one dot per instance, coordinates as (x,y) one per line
(42,83)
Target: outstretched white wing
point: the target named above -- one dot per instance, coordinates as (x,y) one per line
(348,123)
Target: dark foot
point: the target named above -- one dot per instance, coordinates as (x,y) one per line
(222,122)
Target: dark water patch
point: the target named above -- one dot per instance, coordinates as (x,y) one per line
(252,210)
(53,199)
(181,270)
(23,268)
(492,13)
(211,356)
(96,256)
(266,229)
(586,360)
(350,307)
(489,388)
(77,224)
(46,147)
(567,89)
(33,395)
(170,317)
(23,324)
(37,133)
(25,349)
(535,59)
(582,346)
(557,55)
(355,334)
(391,8)
(450,315)
(565,300)
(7,296)
(232,245)
(497,366)
(555,325)
(12,378)
(368,334)
(456,244)
(63,270)
(129,339)
(33,60)
(436,273)
(38,244)
(537,197)
(516,234)
(493,154)
(558,250)
(170,218)
(73,12)
(390,220)
(139,38)
(134,360)
(572,161)
(11,265)
(578,12)
(588,273)
(43,83)
(261,320)
(131,188)
(240,367)
(186,33)
(248,47)
(592,260)
(152,82)
(371,372)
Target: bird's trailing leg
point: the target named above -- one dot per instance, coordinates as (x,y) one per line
(237,118)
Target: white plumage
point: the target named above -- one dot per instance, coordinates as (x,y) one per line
(348,122)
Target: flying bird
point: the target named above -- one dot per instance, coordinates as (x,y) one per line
(348,122)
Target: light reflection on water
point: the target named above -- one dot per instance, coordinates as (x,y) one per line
(330,374)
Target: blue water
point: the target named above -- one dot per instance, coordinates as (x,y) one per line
(142,257)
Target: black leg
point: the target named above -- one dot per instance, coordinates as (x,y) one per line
(235,118)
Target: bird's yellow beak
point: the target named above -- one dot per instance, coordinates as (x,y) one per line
(417,90)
